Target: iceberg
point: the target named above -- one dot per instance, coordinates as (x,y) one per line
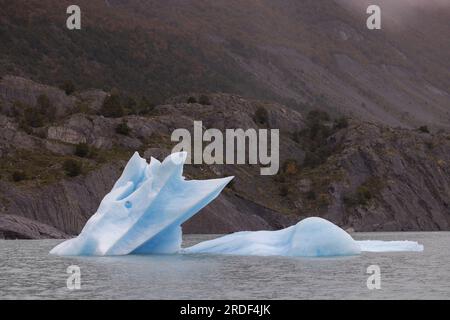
(144,210)
(311,237)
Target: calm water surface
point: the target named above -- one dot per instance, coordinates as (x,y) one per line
(27,271)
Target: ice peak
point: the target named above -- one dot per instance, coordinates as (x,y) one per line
(144,211)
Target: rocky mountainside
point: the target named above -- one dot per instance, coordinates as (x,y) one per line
(304,54)
(56,166)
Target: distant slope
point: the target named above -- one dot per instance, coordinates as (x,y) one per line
(306,54)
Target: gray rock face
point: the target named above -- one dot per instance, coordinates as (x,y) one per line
(15,227)
(65,205)
(66,135)
(377,178)
(14,89)
(412,191)
(228,111)
(92,98)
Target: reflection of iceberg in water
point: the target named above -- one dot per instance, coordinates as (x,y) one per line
(144,211)
(311,237)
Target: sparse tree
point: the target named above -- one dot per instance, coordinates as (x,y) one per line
(191,100)
(261,116)
(18,176)
(424,129)
(68,87)
(72,167)
(112,107)
(204,99)
(82,150)
(123,128)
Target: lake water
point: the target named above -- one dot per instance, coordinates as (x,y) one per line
(28,272)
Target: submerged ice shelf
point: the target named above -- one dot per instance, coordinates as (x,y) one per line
(389,246)
(311,237)
(145,209)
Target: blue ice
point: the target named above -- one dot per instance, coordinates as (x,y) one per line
(311,237)
(144,211)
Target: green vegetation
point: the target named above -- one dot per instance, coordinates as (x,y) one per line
(45,108)
(204,99)
(114,154)
(261,116)
(424,129)
(284,190)
(82,150)
(133,59)
(28,117)
(317,170)
(341,123)
(360,198)
(191,100)
(72,167)
(321,179)
(81,107)
(145,107)
(133,106)
(290,167)
(18,176)
(323,200)
(429,145)
(117,105)
(44,167)
(314,138)
(123,128)
(31,117)
(364,193)
(317,116)
(68,87)
(112,106)
(311,195)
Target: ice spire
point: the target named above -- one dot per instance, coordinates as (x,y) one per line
(144,211)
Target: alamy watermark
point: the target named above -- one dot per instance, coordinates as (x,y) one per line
(374,280)
(73,22)
(237,146)
(374,20)
(73,282)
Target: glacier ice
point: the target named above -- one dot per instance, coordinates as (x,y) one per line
(143,213)
(144,210)
(389,246)
(311,237)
